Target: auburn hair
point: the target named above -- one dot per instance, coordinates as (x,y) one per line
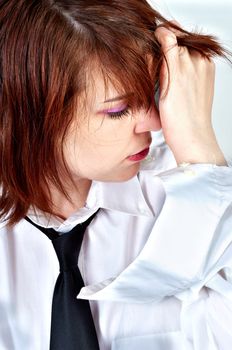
(46,49)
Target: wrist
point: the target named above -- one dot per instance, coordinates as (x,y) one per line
(200,150)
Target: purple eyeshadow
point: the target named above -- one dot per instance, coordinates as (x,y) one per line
(115,110)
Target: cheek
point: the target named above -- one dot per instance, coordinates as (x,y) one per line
(99,143)
(107,135)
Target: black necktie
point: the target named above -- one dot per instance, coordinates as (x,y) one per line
(72,326)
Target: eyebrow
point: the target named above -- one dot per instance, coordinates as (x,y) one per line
(118,98)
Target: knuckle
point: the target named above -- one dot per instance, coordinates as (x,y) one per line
(165,36)
(169,39)
(183,50)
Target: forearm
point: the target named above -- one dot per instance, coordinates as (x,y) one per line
(199,149)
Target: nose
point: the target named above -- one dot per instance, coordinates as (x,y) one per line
(148,121)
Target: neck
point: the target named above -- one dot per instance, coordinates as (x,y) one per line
(63,206)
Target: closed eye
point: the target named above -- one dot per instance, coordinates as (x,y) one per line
(118,114)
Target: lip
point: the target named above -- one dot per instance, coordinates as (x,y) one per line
(140,155)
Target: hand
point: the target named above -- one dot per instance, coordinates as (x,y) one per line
(185,105)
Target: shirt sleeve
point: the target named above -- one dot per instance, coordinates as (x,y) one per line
(189,242)
(188,255)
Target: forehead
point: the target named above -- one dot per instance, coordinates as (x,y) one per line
(102,88)
(105,80)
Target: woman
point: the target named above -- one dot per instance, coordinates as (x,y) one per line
(77,111)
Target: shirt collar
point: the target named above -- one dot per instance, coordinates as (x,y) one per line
(126,197)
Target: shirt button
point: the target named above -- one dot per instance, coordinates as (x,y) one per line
(142,210)
(186,169)
(190,172)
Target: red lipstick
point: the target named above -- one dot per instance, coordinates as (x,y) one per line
(139,156)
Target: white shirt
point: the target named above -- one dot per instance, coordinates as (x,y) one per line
(156,261)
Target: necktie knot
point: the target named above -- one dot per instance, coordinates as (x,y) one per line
(72,325)
(67,248)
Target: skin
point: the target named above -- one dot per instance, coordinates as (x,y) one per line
(190,97)
(98,147)
(106,139)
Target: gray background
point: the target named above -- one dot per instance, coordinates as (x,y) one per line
(210,17)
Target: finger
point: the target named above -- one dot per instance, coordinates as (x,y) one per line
(168,42)
(183,53)
(169,47)
(176,23)
(177,30)
(164,80)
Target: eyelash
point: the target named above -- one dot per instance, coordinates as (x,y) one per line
(118,115)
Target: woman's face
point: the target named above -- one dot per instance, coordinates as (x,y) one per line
(100,142)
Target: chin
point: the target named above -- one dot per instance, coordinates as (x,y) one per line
(124,175)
